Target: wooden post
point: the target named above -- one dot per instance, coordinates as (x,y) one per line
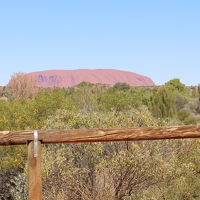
(34,173)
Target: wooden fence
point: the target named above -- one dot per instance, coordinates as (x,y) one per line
(34,139)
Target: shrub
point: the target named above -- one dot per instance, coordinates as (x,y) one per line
(164,104)
(190,121)
(121,86)
(176,84)
(181,101)
(22,85)
(85,84)
(182,115)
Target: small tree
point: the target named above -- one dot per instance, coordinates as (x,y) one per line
(176,84)
(22,85)
(164,104)
(121,86)
(198,106)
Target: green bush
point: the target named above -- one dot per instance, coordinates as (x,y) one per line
(105,171)
(85,84)
(121,86)
(182,115)
(164,105)
(176,84)
(181,101)
(190,121)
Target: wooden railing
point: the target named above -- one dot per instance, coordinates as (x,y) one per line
(84,135)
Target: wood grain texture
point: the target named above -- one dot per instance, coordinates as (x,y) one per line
(100,135)
(34,173)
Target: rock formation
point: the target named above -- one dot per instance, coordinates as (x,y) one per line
(70,78)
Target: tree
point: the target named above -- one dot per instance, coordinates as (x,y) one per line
(164,104)
(22,85)
(121,86)
(176,84)
(118,100)
(198,106)
(85,84)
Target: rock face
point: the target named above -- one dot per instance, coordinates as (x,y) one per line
(70,78)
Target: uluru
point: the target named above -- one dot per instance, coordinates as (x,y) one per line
(70,78)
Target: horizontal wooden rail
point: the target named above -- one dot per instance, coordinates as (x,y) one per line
(100,135)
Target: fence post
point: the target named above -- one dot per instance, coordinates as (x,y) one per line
(34,172)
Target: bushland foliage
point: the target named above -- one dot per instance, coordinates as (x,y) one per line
(161,170)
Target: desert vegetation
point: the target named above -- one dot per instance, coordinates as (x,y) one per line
(148,170)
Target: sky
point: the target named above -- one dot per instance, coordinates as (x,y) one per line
(156,38)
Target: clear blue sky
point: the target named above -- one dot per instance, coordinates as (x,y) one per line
(156,38)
